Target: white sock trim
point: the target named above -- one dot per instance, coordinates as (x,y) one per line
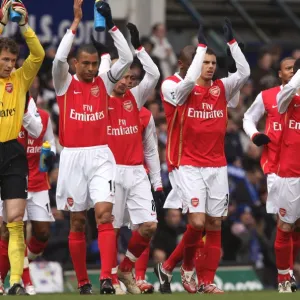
(114,270)
(131,256)
(26,262)
(284,272)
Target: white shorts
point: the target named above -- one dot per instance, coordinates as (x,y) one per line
(173,200)
(133,197)
(285,192)
(38,207)
(204,190)
(86,177)
(270,205)
(3,215)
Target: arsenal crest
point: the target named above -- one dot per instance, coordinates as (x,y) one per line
(70,201)
(215,91)
(95,90)
(195,202)
(282,212)
(128,105)
(9,87)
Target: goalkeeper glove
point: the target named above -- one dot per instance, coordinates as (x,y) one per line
(4,11)
(19,7)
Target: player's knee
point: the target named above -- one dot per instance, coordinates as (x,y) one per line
(148,229)
(103,218)
(213,223)
(197,224)
(43,236)
(78,224)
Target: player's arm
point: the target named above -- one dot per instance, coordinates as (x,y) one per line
(33,62)
(234,101)
(151,154)
(125,56)
(143,90)
(184,87)
(49,136)
(235,82)
(60,68)
(285,96)
(251,118)
(4,14)
(32,121)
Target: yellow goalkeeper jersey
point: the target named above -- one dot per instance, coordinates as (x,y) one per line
(13,89)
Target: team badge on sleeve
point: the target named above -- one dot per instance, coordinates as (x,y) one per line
(215,91)
(9,87)
(128,105)
(195,202)
(95,90)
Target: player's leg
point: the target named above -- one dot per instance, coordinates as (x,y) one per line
(295,252)
(14,207)
(72,195)
(286,193)
(101,191)
(217,205)
(4,260)
(142,213)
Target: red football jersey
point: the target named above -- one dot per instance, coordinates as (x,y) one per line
(289,164)
(273,129)
(124,130)
(37,181)
(83,114)
(205,113)
(23,137)
(174,125)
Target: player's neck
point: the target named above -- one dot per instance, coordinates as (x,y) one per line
(204,82)
(117,95)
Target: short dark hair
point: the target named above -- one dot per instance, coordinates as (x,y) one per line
(88,48)
(285,59)
(9,45)
(210,51)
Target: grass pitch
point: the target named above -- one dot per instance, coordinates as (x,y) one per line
(264,295)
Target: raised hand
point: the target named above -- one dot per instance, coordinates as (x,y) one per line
(4,11)
(104,9)
(135,36)
(201,36)
(228,32)
(19,7)
(78,9)
(101,49)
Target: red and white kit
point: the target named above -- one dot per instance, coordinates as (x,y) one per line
(285,191)
(172,89)
(132,187)
(87,165)
(266,103)
(38,202)
(32,125)
(202,172)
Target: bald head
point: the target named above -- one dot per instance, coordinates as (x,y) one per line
(187,53)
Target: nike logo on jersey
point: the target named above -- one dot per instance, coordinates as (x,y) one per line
(197,94)
(297,105)
(273,106)
(77,92)
(110,108)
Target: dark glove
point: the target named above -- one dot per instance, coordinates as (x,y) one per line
(231,65)
(201,36)
(159,199)
(104,9)
(135,36)
(49,160)
(101,49)
(228,32)
(260,139)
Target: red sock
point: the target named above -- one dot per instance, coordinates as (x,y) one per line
(4,260)
(175,257)
(292,254)
(141,265)
(137,245)
(77,247)
(107,247)
(26,273)
(35,248)
(199,261)
(114,270)
(191,239)
(283,252)
(212,254)
(296,244)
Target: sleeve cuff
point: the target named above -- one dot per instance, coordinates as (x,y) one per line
(140,49)
(232,42)
(254,135)
(24,28)
(202,45)
(159,189)
(114,29)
